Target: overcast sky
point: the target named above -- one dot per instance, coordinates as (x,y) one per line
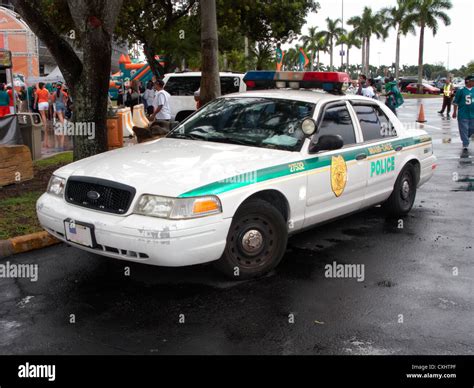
(460,33)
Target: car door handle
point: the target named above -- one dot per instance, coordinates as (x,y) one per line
(398,148)
(361,156)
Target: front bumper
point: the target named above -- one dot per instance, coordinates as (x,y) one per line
(150,240)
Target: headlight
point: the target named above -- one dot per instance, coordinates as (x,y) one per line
(177,208)
(56,186)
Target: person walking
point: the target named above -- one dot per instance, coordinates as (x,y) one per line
(148,98)
(368,90)
(12,98)
(362,83)
(59,99)
(23,97)
(463,103)
(161,103)
(448,94)
(42,104)
(4,101)
(393,97)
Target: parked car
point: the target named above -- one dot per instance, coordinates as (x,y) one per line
(427,88)
(232,182)
(182,87)
(405,81)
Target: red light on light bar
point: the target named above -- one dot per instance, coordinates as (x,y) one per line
(323,76)
(250,84)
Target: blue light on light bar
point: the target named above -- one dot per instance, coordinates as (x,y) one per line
(260,75)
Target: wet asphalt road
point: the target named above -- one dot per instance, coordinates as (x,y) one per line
(408,276)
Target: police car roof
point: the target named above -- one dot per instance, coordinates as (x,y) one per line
(307,95)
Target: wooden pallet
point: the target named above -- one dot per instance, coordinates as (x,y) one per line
(15,164)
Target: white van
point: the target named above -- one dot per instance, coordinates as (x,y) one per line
(182,86)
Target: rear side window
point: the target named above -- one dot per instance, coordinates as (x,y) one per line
(186,86)
(230,85)
(337,121)
(374,124)
(183,86)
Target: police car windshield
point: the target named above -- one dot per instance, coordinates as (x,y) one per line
(253,121)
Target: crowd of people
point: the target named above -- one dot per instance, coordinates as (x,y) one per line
(54,103)
(461,99)
(391,93)
(153,96)
(51,101)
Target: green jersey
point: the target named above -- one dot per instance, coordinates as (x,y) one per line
(4,98)
(464,100)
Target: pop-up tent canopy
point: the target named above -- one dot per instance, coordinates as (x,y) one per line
(54,76)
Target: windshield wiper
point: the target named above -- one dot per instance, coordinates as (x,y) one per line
(231,140)
(185,136)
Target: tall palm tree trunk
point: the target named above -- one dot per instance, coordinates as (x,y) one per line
(420,59)
(331,48)
(312,60)
(367,59)
(397,57)
(317,60)
(342,57)
(347,59)
(363,55)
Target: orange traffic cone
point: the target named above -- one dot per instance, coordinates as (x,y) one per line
(421,115)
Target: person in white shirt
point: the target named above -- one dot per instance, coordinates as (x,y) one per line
(149,96)
(161,103)
(368,91)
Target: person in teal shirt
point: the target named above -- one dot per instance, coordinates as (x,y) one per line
(4,101)
(393,97)
(464,110)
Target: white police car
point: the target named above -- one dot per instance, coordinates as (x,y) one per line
(232,181)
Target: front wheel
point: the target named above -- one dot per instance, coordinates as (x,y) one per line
(256,241)
(403,195)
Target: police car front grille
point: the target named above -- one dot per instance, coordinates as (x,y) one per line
(99,194)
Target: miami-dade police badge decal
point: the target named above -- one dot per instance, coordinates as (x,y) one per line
(338,175)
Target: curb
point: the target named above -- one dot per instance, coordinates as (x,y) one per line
(26,243)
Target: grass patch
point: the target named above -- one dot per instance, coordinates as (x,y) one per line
(59,159)
(410,95)
(18,201)
(18,215)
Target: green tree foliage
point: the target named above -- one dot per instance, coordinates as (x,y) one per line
(425,14)
(175,30)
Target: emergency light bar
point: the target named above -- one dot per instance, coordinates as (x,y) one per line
(331,81)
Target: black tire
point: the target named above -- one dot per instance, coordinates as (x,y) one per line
(256,241)
(403,195)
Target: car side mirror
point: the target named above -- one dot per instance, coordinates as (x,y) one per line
(326,143)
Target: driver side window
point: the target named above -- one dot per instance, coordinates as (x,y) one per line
(337,121)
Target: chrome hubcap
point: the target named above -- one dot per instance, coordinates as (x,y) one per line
(405,189)
(252,241)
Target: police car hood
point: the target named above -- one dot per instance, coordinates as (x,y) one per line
(171,167)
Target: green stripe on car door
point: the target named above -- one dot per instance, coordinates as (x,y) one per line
(265,174)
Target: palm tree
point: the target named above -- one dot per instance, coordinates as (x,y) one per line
(331,35)
(365,26)
(396,17)
(291,58)
(425,13)
(263,55)
(359,31)
(314,42)
(350,40)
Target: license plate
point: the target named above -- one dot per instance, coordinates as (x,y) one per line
(79,233)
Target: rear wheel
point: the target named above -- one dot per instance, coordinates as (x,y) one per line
(403,196)
(256,241)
